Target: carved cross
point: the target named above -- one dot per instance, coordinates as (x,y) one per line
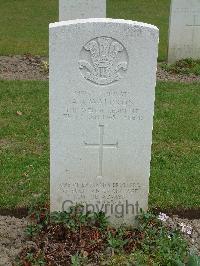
(101,147)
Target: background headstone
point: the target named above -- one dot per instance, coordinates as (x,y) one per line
(102,80)
(184,31)
(79,9)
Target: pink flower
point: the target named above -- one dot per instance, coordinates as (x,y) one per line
(186,229)
(163,217)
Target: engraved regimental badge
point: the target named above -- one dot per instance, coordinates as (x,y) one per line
(103,61)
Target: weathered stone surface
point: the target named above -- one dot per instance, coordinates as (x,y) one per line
(184,32)
(102,80)
(80,9)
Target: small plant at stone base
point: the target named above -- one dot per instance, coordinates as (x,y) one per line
(159,245)
(31,260)
(40,261)
(33,229)
(116,241)
(185,66)
(150,243)
(162,244)
(101,220)
(78,260)
(193,260)
(75,260)
(75,218)
(136,259)
(44,66)
(39,221)
(39,211)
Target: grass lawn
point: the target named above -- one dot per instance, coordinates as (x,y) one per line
(25,26)
(175,172)
(155,12)
(25,22)
(24,147)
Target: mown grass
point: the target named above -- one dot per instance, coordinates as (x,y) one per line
(175,171)
(24,148)
(24,145)
(24,26)
(25,22)
(155,12)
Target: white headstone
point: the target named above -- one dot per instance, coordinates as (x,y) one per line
(102,80)
(184,33)
(80,9)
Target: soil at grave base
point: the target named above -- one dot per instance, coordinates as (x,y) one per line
(17,212)
(12,238)
(190,214)
(28,67)
(13,241)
